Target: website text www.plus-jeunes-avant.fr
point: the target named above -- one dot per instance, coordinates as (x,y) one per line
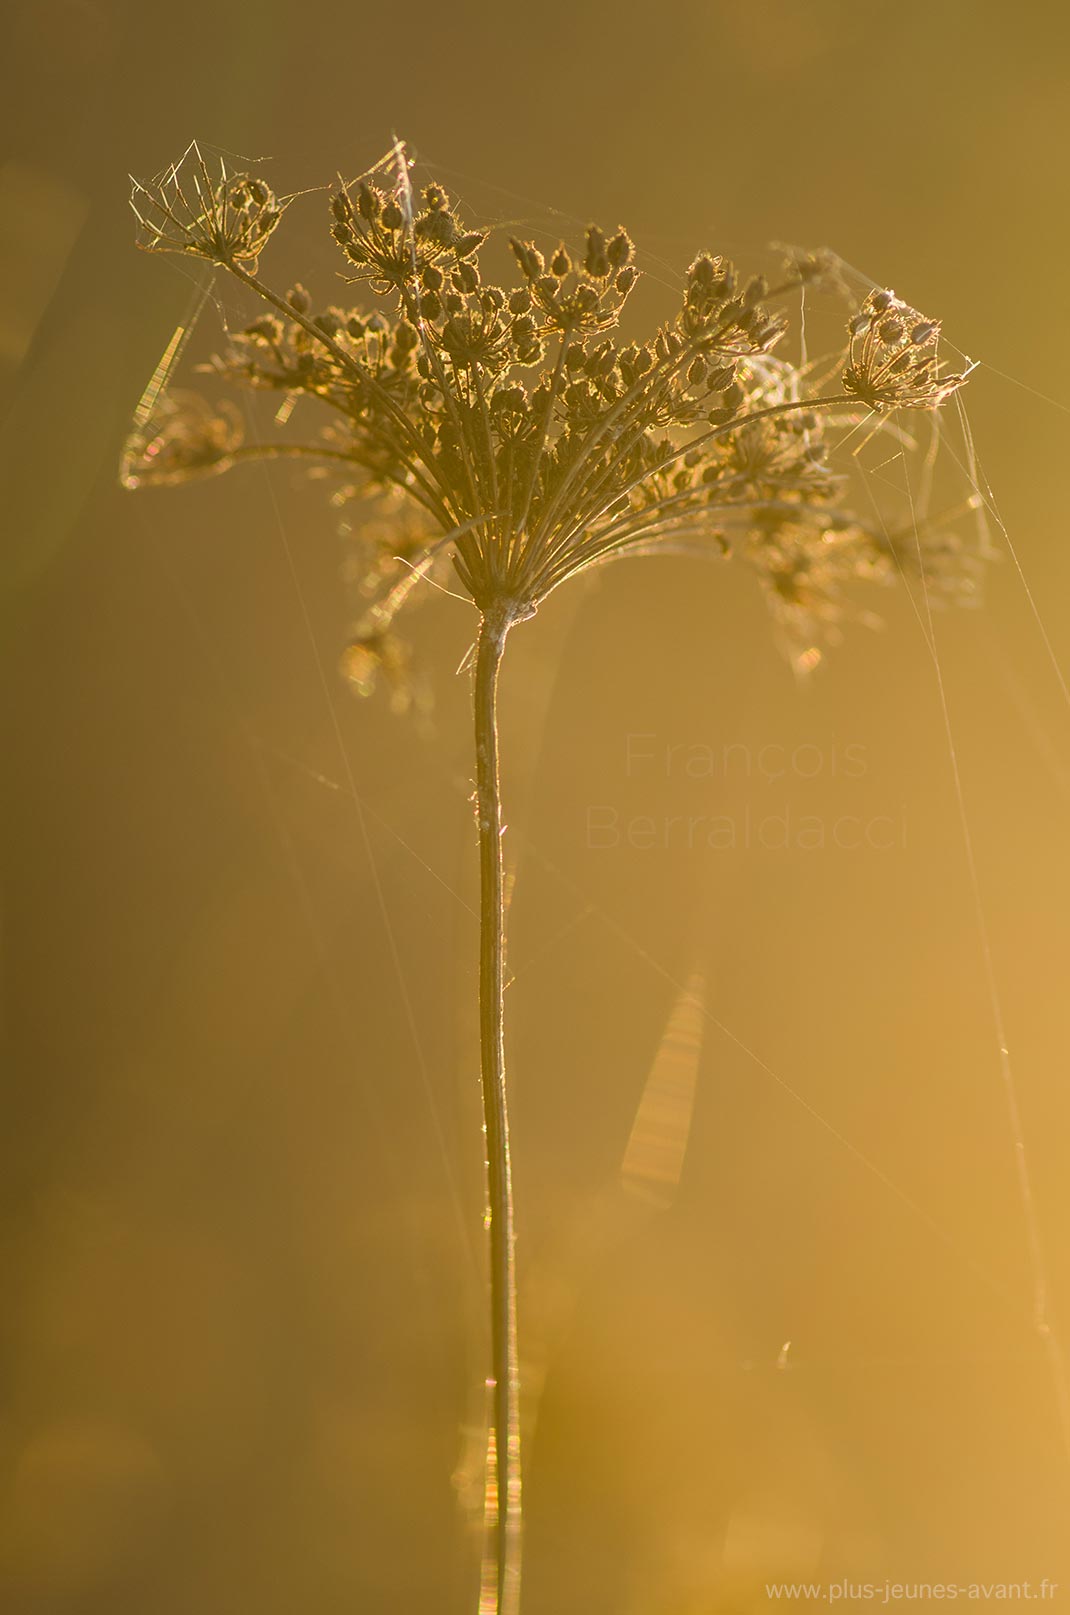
(894,1592)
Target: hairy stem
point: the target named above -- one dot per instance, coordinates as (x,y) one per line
(500,1580)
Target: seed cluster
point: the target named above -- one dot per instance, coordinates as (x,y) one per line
(226,219)
(893,362)
(527,437)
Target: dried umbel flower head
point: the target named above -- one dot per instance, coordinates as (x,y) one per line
(533,441)
(182,436)
(893,362)
(207,212)
(816,268)
(390,238)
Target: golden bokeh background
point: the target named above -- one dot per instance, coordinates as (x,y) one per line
(242,1335)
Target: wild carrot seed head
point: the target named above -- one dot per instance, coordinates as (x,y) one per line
(526,437)
(206,212)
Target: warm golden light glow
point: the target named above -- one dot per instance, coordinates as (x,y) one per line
(785,985)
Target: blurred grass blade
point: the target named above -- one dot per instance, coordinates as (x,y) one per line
(654,1157)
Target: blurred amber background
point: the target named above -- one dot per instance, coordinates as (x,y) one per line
(242,1332)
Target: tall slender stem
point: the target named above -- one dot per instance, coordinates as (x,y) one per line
(500,1580)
